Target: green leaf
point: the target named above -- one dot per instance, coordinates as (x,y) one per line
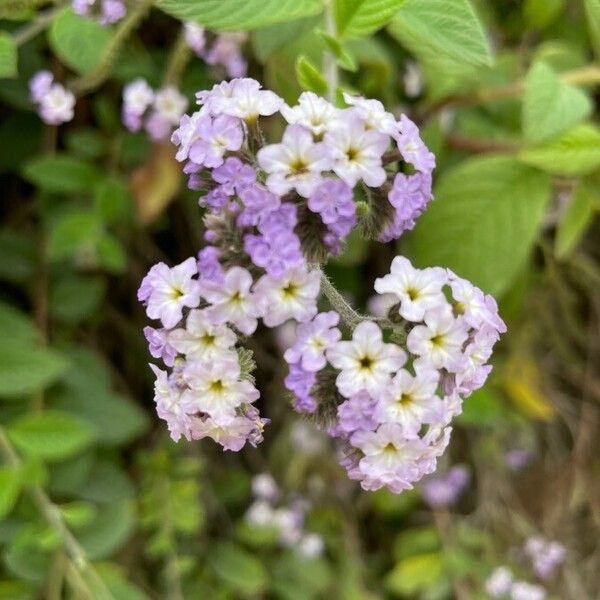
(238,569)
(344,59)
(576,152)
(483,221)
(73,232)
(360,18)
(75,298)
(444,33)
(111,254)
(575,220)
(240,14)
(309,77)
(17,256)
(78,41)
(76,514)
(86,142)
(8,55)
(16,325)
(10,486)
(416,540)
(592,12)
(107,484)
(482,408)
(112,200)
(60,173)
(50,435)
(26,369)
(267,40)
(117,584)
(415,574)
(538,14)
(550,105)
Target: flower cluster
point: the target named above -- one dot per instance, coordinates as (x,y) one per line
(272,212)
(55,103)
(501,584)
(158,112)
(106,11)
(545,555)
(287,520)
(223,49)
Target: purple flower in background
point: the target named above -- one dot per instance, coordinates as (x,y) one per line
(39,85)
(55,103)
(159,345)
(412,148)
(111,11)
(444,491)
(195,37)
(300,382)
(518,459)
(545,555)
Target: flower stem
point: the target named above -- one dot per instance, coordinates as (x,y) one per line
(330,68)
(178,59)
(337,301)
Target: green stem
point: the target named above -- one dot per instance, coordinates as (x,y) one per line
(178,59)
(24,34)
(53,517)
(88,82)
(330,68)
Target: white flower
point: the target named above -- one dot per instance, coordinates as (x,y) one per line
(170,104)
(232,301)
(365,362)
(137,97)
(356,152)
(260,513)
(373,113)
(289,523)
(409,400)
(247,100)
(521,590)
(264,487)
(56,106)
(498,584)
(216,387)
(311,545)
(291,296)
(172,289)
(202,339)
(418,290)
(296,163)
(439,342)
(312,111)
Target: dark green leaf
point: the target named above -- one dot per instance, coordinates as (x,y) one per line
(238,569)
(61,173)
(575,219)
(8,55)
(10,486)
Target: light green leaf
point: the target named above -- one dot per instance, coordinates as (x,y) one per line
(267,40)
(344,59)
(61,173)
(16,325)
(309,77)
(359,18)
(78,41)
(575,220)
(550,105)
(443,33)
(415,574)
(76,514)
(482,408)
(8,55)
(111,254)
(10,486)
(238,569)
(577,152)
(73,232)
(50,435)
(25,369)
(592,12)
(483,221)
(240,14)
(112,200)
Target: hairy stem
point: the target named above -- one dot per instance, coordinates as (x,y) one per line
(53,517)
(98,76)
(337,301)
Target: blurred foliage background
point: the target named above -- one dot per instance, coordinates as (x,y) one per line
(95,499)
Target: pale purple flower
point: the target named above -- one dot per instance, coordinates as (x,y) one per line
(214,138)
(313,339)
(232,434)
(521,590)
(357,413)
(545,555)
(264,487)
(295,163)
(56,106)
(39,85)
(111,11)
(499,583)
(247,101)
(373,114)
(445,490)
(366,362)
(311,545)
(234,175)
(258,203)
(518,459)
(159,345)
(138,96)
(412,148)
(226,51)
(209,267)
(300,382)
(276,252)
(312,111)
(172,289)
(195,37)
(356,152)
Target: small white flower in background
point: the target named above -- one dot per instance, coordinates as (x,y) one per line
(264,487)
(413,79)
(172,289)
(202,339)
(356,152)
(312,111)
(417,290)
(170,103)
(499,583)
(296,163)
(366,362)
(137,97)
(291,296)
(545,555)
(57,105)
(232,300)
(260,513)
(289,523)
(311,545)
(521,590)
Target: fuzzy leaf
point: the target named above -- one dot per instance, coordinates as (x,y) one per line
(484,220)
(550,105)
(444,33)
(575,220)
(240,14)
(359,18)
(577,152)
(309,77)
